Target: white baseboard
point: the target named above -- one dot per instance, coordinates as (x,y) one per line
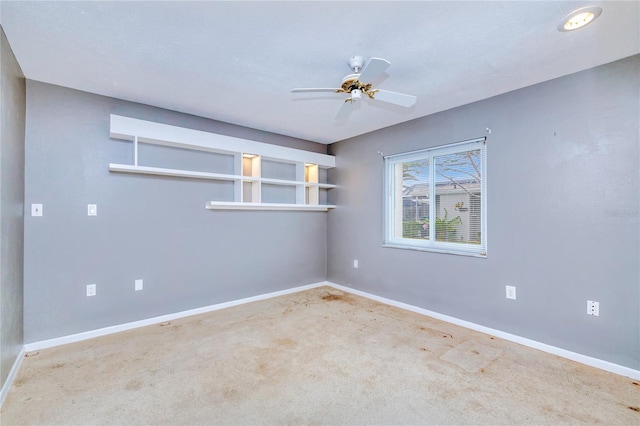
(44,344)
(12,375)
(583,359)
(593,362)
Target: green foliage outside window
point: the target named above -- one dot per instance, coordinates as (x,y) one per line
(446,229)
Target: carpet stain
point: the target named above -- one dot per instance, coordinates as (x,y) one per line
(442,333)
(55,366)
(474,406)
(636,409)
(287,311)
(228,393)
(134,385)
(333,297)
(287,343)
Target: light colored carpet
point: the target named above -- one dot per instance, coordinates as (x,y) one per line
(315,357)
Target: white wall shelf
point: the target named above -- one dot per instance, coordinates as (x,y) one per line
(281,182)
(247,159)
(222,205)
(149,132)
(322,185)
(126,168)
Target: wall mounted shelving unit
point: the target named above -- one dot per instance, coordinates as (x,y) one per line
(248,157)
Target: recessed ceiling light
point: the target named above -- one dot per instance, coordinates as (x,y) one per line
(579,18)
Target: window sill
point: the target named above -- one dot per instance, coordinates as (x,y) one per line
(435,250)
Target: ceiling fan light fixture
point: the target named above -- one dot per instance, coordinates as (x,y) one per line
(579,18)
(356,94)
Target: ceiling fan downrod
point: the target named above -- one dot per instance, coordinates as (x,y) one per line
(356,63)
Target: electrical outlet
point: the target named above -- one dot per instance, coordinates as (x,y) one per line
(138,285)
(92,210)
(593,308)
(511,292)
(355,263)
(36,209)
(91,290)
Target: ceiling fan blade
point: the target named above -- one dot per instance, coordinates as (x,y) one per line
(313,90)
(373,69)
(395,98)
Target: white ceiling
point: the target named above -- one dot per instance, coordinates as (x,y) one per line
(237,61)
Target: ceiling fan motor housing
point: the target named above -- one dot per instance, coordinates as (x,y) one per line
(351,83)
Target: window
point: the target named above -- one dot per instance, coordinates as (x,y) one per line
(436,199)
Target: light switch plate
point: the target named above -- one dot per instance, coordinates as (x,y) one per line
(138,285)
(36,209)
(92,210)
(91,290)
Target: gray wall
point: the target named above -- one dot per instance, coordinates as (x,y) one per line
(154,228)
(12,112)
(563,201)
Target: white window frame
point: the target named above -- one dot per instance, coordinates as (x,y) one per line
(390,240)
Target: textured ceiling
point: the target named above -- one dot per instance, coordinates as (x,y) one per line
(237,61)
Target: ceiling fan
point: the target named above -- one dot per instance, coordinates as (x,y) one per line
(355,85)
